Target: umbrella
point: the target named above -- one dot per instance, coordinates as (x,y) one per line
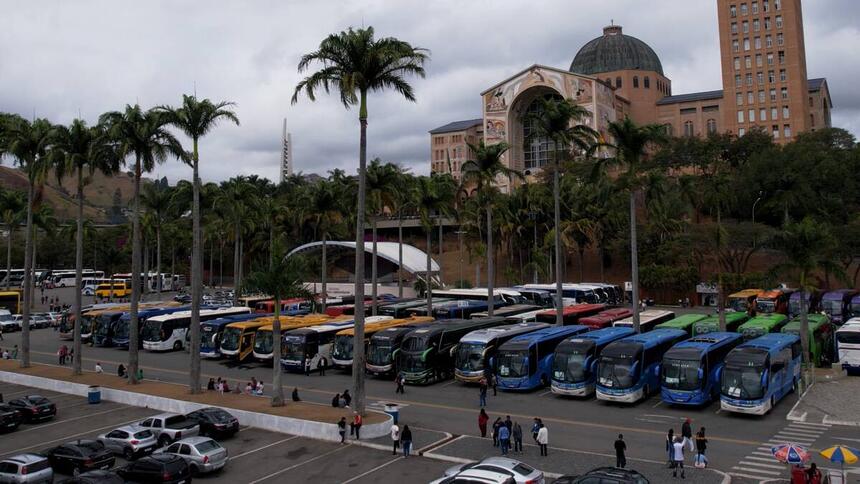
(790,453)
(841,454)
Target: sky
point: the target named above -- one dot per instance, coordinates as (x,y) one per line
(62,59)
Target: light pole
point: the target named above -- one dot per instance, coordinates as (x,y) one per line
(760,194)
(460,255)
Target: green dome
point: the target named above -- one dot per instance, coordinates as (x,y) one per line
(614,51)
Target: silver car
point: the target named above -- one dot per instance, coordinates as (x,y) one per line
(26,468)
(203,454)
(130,441)
(522,473)
(477,476)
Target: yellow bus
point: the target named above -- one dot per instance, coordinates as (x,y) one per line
(115,289)
(251,301)
(237,342)
(341,354)
(741,301)
(263,341)
(11,300)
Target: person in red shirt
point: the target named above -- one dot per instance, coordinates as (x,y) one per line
(483,418)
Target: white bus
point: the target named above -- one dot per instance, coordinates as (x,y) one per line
(848,346)
(508,296)
(167,331)
(315,342)
(67,278)
(648,319)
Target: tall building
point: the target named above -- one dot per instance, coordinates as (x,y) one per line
(286,153)
(764,85)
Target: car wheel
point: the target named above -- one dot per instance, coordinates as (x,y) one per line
(194,471)
(76,472)
(177,346)
(128,454)
(163,441)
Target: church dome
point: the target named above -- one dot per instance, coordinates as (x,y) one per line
(614,51)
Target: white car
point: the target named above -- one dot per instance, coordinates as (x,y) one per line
(26,468)
(522,473)
(477,476)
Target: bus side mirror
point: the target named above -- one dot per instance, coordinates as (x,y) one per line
(765,377)
(657,370)
(634,367)
(492,362)
(701,374)
(719,374)
(593,366)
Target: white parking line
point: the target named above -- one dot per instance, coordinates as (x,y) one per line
(300,464)
(371,471)
(264,447)
(60,422)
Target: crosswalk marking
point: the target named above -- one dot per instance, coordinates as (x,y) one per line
(758,471)
(760,464)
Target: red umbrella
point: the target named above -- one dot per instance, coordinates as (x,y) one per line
(790,453)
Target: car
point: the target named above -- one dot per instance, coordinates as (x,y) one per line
(522,473)
(166,468)
(203,454)
(40,321)
(477,476)
(95,477)
(214,422)
(606,474)
(34,408)
(80,456)
(9,323)
(182,298)
(130,441)
(170,427)
(27,468)
(10,418)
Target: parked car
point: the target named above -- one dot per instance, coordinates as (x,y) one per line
(27,468)
(80,456)
(606,474)
(10,418)
(130,441)
(95,477)
(477,476)
(170,427)
(182,298)
(214,422)
(203,454)
(9,323)
(522,473)
(166,468)
(34,408)
(40,321)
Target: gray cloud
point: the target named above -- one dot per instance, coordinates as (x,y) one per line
(60,58)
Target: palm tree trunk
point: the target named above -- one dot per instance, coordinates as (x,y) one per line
(490,275)
(196,276)
(440,248)
(159,283)
(581,263)
(236,264)
(559,293)
(10,227)
(721,306)
(399,256)
(358,351)
(134,328)
(28,279)
(79,267)
(634,261)
(172,266)
(428,287)
(373,270)
(221,264)
(211,261)
(31,300)
(277,389)
(602,269)
(323,276)
(145,292)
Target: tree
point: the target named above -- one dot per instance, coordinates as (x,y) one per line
(323,204)
(235,199)
(157,199)
(381,184)
(355,64)
(143,135)
(13,209)
(81,151)
(430,195)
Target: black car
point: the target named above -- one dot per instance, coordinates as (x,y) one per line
(166,468)
(10,418)
(605,474)
(96,477)
(34,408)
(80,456)
(214,422)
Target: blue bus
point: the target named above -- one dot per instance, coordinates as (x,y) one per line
(211,332)
(574,364)
(525,361)
(691,369)
(104,327)
(475,353)
(760,372)
(121,333)
(628,370)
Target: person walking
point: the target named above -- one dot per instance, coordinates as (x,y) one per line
(1,333)
(321,366)
(99,368)
(15,352)
(482,389)
(399,380)
(494,382)
(483,418)
(61,354)
(620,448)
(687,433)
(670,441)
(543,440)
(307,365)
(496,425)
(517,435)
(341,429)
(701,446)
(536,428)
(678,457)
(406,440)
(355,426)
(209,386)
(508,423)
(347,398)
(120,372)
(504,438)
(395,438)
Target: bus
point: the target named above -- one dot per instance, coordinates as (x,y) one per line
(741,301)
(384,346)
(759,372)
(574,363)
(570,293)
(104,327)
(604,319)
(570,314)
(509,311)
(315,342)
(648,320)
(167,331)
(427,354)
(401,309)
(712,323)
(289,305)
(525,361)
(341,355)
(855,306)
(761,325)
(435,306)
(237,340)
(68,278)
(476,351)
(11,301)
(690,371)
(773,301)
(848,346)
(812,300)
(211,331)
(821,347)
(115,289)
(538,297)
(67,320)
(121,333)
(463,309)
(264,338)
(628,369)
(88,319)
(684,322)
(837,304)
(526,317)
(506,297)
(615,293)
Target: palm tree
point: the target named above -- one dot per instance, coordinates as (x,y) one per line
(429,198)
(43,219)
(381,184)
(481,172)
(157,199)
(12,210)
(402,199)
(355,63)
(558,120)
(143,135)
(29,144)
(81,151)
(323,203)
(196,119)
(282,279)
(235,199)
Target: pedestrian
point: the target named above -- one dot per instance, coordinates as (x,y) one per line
(504,438)
(687,433)
(1,333)
(209,386)
(61,354)
(249,389)
(813,475)
(482,388)
(399,380)
(5,354)
(406,440)
(496,425)
(508,423)
(335,402)
(220,386)
(341,429)
(321,366)
(140,374)
(72,356)
(536,428)
(517,434)
(15,352)
(355,426)
(258,390)
(395,439)
(701,447)
(347,398)
(678,456)
(307,365)
(670,441)
(99,367)
(483,418)
(620,447)
(494,383)
(543,439)
(120,372)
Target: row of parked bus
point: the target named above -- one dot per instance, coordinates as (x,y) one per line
(839,305)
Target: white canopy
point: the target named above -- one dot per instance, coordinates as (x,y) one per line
(414,259)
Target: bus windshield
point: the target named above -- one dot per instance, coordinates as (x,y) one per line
(855,309)
(263,342)
(230,338)
(514,363)
(343,346)
(209,338)
(568,364)
(413,362)
(765,306)
(152,331)
(848,337)
(294,347)
(379,351)
(470,356)
(103,326)
(833,307)
(616,367)
(121,329)
(739,304)
(742,374)
(681,374)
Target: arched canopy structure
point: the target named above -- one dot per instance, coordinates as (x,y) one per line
(342,254)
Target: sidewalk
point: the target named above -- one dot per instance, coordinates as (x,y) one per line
(832,399)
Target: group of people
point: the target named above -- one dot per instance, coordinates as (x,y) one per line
(65,355)
(321,363)
(6,354)
(341,400)
(354,427)
(402,439)
(508,435)
(676,444)
(253,387)
(54,304)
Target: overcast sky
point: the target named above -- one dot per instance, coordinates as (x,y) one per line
(61,57)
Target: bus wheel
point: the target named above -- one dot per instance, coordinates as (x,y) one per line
(793,385)
(646,390)
(177,346)
(543,381)
(771,405)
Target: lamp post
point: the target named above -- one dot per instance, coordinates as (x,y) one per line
(460,255)
(760,194)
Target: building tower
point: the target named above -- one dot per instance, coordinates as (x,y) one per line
(286,153)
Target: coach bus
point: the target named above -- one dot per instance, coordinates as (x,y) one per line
(628,369)
(506,311)
(761,325)
(759,372)
(604,319)
(463,309)
(837,304)
(684,322)
(570,293)
(341,355)
(538,297)
(435,306)
(402,309)
(821,330)
(741,301)
(574,363)
(848,346)
(315,342)
(812,299)
(384,346)
(67,320)
(121,333)
(167,331)
(104,328)
(476,351)
(237,341)
(252,301)
(570,314)
(294,305)
(525,361)
(11,300)
(427,354)
(773,301)
(211,332)
(690,371)
(712,323)
(264,338)
(505,297)
(648,320)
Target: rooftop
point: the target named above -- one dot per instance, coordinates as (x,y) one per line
(457,126)
(693,96)
(614,51)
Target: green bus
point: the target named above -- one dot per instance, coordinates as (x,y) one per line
(684,322)
(760,325)
(711,324)
(821,333)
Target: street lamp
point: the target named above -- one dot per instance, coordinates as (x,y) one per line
(760,194)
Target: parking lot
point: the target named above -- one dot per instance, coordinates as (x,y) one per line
(256,455)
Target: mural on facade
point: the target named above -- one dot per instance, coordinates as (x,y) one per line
(495,129)
(581,90)
(496,101)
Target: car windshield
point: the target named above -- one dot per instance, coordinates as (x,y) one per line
(379,352)
(263,342)
(294,348)
(152,331)
(848,337)
(92,445)
(681,374)
(343,346)
(412,362)
(513,363)
(470,356)
(766,306)
(206,446)
(855,309)
(569,361)
(230,338)
(832,307)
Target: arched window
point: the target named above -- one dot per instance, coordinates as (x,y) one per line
(688,128)
(647,82)
(618,82)
(712,126)
(538,151)
(669,130)
(636,81)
